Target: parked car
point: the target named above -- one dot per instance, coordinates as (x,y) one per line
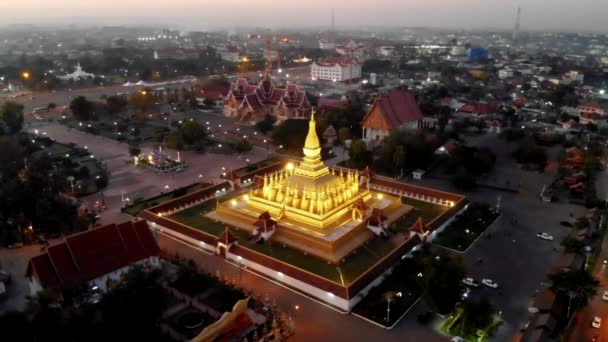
(545,236)
(470,282)
(15,245)
(457,339)
(597,322)
(489,283)
(605,295)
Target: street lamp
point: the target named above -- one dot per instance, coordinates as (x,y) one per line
(389,296)
(124,199)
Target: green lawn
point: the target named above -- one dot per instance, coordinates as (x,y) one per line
(402,284)
(353,267)
(450,327)
(466,227)
(137,208)
(427,210)
(57,149)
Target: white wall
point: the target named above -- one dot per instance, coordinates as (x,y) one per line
(324,296)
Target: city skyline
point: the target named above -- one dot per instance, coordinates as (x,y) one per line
(585,15)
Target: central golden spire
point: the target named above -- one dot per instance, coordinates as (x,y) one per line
(312,140)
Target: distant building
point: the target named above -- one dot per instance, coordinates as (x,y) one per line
(326,45)
(505,73)
(230,53)
(478,54)
(326,105)
(247,101)
(386,51)
(78,74)
(395,110)
(96,258)
(345,48)
(337,69)
(591,107)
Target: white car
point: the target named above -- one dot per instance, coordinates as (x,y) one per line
(545,236)
(457,339)
(597,322)
(605,295)
(489,283)
(470,282)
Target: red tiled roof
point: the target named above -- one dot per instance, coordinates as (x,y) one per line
(479,108)
(591,116)
(330,132)
(85,256)
(265,93)
(325,102)
(593,105)
(398,107)
(329,61)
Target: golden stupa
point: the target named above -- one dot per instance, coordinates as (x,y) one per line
(309,193)
(318,210)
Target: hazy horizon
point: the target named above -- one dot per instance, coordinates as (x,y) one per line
(583,15)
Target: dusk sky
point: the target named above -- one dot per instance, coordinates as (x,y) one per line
(202,14)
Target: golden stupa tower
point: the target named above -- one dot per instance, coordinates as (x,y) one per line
(309,193)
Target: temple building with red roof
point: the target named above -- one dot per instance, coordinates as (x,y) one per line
(96,257)
(396,110)
(252,102)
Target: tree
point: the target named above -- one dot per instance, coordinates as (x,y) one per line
(441,281)
(142,100)
(399,157)
(135,305)
(134,150)
(344,134)
(243,146)
(529,153)
(572,245)
(475,315)
(578,285)
(192,132)
(116,104)
(11,114)
(359,155)
(291,135)
(266,124)
(16,326)
(82,108)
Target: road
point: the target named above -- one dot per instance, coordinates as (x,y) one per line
(581,329)
(129,181)
(313,321)
(63,97)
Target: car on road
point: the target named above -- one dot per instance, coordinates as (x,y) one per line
(470,282)
(605,295)
(597,322)
(489,283)
(457,339)
(545,236)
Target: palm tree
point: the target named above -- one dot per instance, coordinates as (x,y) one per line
(578,285)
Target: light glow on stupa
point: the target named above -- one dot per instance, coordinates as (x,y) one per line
(309,192)
(310,206)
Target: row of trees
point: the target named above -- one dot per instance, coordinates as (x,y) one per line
(130,311)
(30,184)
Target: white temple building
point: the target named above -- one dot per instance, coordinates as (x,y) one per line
(77,74)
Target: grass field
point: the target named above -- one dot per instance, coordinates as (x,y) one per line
(354,266)
(137,208)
